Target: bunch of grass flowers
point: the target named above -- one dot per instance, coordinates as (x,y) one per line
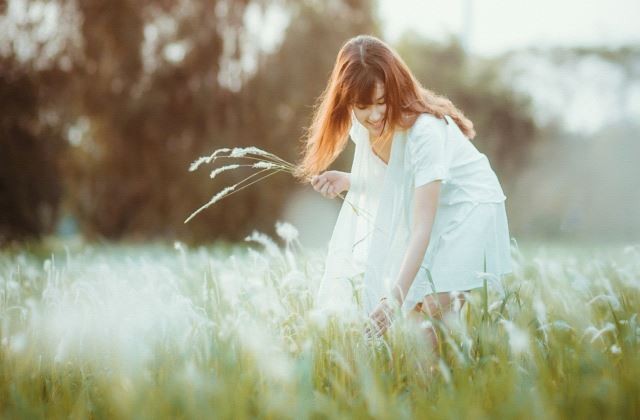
(267,163)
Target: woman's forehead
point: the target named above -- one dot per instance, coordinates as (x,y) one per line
(370,93)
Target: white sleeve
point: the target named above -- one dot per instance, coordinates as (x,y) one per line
(427,152)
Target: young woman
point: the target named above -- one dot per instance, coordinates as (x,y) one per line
(424,217)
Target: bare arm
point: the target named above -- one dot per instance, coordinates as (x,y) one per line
(424,211)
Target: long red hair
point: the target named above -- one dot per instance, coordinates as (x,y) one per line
(361,62)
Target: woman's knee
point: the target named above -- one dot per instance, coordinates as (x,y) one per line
(436,305)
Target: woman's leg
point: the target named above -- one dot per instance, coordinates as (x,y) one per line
(437,306)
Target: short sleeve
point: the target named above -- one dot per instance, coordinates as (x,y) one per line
(427,151)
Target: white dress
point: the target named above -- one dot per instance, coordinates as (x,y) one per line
(469,238)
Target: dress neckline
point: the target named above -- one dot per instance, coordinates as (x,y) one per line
(379,158)
(386,164)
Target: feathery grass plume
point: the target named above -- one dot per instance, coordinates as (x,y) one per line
(266,161)
(207,159)
(286,231)
(263,164)
(222,169)
(264,240)
(518,338)
(213,200)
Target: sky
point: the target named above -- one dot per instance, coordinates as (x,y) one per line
(495,26)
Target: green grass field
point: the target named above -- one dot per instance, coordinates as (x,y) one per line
(162,331)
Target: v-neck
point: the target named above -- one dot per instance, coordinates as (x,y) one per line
(379,158)
(386,164)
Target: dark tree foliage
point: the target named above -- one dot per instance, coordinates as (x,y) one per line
(30,150)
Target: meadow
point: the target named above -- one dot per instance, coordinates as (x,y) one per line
(161,330)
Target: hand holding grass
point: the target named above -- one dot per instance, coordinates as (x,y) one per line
(381,316)
(331,183)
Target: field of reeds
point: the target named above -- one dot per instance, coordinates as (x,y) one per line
(229,331)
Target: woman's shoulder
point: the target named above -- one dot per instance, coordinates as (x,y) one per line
(424,121)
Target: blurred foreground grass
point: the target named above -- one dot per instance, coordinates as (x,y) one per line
(159,331)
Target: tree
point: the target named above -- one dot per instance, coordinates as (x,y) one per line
(30,151)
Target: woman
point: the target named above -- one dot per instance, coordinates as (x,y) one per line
(424,215)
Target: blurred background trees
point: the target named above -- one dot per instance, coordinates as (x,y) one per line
(105,105)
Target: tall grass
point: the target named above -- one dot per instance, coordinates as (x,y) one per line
(229,332)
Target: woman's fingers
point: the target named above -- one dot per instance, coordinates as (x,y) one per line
(325,188)
(323,185)
(319,182)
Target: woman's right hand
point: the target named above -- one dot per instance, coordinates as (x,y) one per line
(331,183)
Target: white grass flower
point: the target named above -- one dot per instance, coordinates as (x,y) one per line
(596,333)
(264,240)
(612,299)
(540,310)
(222,169)
(215,198)
(242,151)
(426,324)
(615,349)
(266,351)
(221,194)
(318,318)
(518,338)
(263,164)
(286,231)
(494,305)
(561,325)
(444,369)
(196,163)
(207,159)
(457,302)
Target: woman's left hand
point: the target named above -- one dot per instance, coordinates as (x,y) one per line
(381,318)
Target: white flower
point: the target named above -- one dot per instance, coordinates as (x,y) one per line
(615,349)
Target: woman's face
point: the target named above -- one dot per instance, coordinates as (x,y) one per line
(371,115)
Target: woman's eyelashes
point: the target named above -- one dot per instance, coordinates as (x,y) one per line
(361,106)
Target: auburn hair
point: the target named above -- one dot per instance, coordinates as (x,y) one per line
(363,61)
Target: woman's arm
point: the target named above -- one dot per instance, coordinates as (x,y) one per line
(424,211)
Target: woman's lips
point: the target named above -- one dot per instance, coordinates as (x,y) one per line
(376,126)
